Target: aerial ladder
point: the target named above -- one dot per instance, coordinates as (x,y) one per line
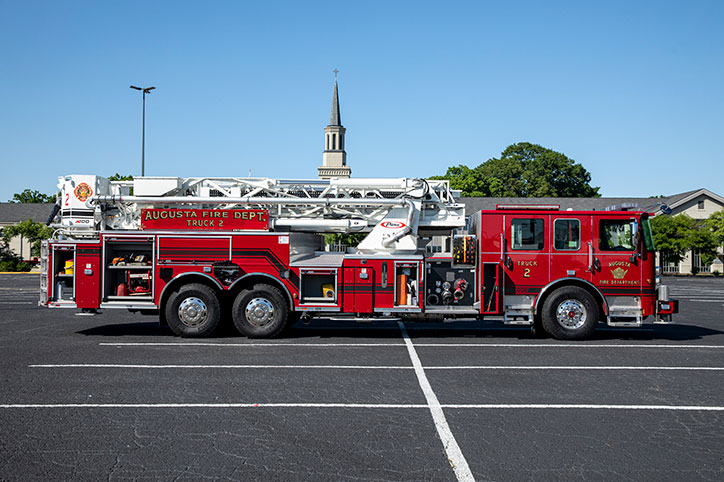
(92,204)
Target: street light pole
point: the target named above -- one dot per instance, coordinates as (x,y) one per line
(145,90)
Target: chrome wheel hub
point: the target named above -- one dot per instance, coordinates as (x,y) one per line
(259,312)
(571,314)
(192,311)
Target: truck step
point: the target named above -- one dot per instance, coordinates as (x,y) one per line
(624,321)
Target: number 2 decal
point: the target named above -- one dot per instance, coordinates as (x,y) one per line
(526,273)
(67,197)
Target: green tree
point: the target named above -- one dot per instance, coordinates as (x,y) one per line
(118,177)
(703,241)
(348,239)
(675,235)
(470,181)
(716,224)
(10,261)
(524,170)
(672,235)
(30,230)
(32,196)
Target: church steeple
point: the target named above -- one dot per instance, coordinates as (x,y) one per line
(334,158)
(335,119)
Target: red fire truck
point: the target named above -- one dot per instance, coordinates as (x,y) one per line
(197,251)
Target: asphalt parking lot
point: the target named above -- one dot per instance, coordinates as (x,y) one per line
(115,397)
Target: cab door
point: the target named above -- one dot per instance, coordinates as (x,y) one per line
(615,272)
(570,236)
(527,255)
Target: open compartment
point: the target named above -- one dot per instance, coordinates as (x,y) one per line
(318,286)
(407,284)
(63,269)
(129,268)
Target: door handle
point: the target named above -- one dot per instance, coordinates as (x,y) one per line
(508,262)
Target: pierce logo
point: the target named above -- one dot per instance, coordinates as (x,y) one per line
(392,224)
(83,191)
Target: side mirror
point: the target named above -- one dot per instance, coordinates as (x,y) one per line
(635,234)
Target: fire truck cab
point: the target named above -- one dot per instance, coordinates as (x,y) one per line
(198,251)
(566,271)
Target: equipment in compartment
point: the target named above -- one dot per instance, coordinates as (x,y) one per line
(318,286)
(406,284)
(139,283)
(328,290)
(129,268)
(63,273)
(449,286)
(131,260)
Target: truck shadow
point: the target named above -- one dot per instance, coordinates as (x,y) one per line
(326,329)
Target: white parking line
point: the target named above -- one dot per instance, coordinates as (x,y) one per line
(562,345)
(326,367)
(453,345)
(253,345)
(452,449)
(583,406)
(484,406)
(379,367)
(612,368)
(707,301)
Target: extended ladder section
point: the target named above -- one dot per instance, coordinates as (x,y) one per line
(393,211)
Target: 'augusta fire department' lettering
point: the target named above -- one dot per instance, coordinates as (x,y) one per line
(231,219)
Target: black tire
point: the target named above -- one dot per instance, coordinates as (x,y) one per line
(570,313)
(260,312)
(193,311)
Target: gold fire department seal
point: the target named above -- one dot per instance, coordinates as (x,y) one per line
(619,273)
(83,191)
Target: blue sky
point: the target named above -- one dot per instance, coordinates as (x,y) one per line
(632,90)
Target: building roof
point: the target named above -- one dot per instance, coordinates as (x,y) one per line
(678,199)
(650,204)
(11,213)
(335,119)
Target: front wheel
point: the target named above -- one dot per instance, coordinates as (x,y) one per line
(193,311)
(260,312)
(570,313)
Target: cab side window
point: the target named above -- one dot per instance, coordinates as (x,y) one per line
(615,235)
(567,234)
(528,234)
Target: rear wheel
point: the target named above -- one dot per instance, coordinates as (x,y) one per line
(193,311)
(260,312)
(570,313)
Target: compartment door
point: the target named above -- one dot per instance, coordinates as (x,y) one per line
(358,290)
(88,276)
(491,288)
